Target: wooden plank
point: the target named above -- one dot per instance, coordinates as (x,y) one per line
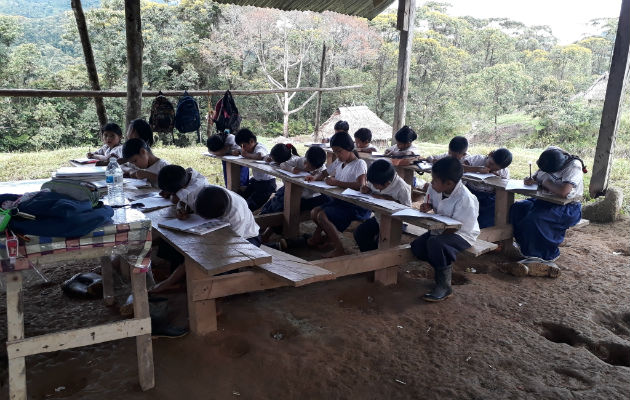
(15,332)
(267,220)
(389,236)
(230,284)
(292,203)
(503,202)
(386,276)
(611,112)
(367,261)
(144,348)
(77,337)
(481,247)
(296,271)
(496,233)
(406,15)
(202,314)
(233,172)
(108,280)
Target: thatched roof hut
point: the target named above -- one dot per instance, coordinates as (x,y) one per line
(359,117)
(596,92)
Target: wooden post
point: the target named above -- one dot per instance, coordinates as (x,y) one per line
(610,114)
(134,60)
(406,16)
(502,204)
(15,331)
(89,59)
(108,280)
(318,110)
(292,201)
(144,348)
(233,172)
(202,314)
(389,236)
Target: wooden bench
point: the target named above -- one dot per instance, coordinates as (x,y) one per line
(294,270)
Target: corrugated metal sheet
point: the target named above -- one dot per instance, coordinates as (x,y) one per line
(360,8)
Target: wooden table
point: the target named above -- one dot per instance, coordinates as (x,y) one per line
(129,235)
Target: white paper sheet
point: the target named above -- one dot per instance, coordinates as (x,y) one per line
(425,166)
(479,176)
(291,174)
(355,193)
(80,171)
(410,212)
(138,183)
(321,184)
(389,204)
(194,224)
(154,202)
(233,157)
(208,154)
(517,184)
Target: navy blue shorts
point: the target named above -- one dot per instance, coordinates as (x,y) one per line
(341,213)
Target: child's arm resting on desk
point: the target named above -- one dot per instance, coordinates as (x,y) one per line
(252,156)
(141,174)
(356,185)
(318,177)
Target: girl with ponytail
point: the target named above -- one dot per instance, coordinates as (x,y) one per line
(539,226)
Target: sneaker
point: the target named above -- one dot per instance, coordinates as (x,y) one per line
(168,331)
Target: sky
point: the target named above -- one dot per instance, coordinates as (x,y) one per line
(568,18)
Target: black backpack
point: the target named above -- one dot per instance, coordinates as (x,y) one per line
(187,117)
(226,114)
(162,116)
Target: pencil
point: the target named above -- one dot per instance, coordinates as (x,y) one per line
(530,169)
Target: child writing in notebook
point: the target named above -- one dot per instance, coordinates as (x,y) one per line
(340,126)
(539,226)
(404,143)
(497,163)
(448,196)
(182,186)
(217,202)
(384,183)
(138,153)
(362,141)
(262,185)
(347,171)
(457,147)
(223,144)
(112,135)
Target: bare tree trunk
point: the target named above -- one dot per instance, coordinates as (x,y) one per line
(134,59)
(318,110)
(406,16)
(285,124)
(89,59)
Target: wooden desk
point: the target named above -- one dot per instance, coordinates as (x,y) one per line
(129,236)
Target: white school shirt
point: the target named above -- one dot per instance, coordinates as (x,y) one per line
(399,190)
(300,163)
(460,205)
(368,147)
(572,174)
(394,151)
(480,161)
(155,168)
(188,194)
(240,217)
(256,174)
(348,173)
(108,152)
(433,159)
(230,141)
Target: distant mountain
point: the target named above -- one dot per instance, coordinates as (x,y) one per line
(40,8)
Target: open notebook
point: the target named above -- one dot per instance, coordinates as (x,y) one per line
(410,212)
(194,224)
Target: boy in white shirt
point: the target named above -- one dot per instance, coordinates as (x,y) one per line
(404,147)
(112,135)
(496,162)
(262,185)
(221,144)
(182,186)
(363,141)
(384,183)
(138,153)
(448,196)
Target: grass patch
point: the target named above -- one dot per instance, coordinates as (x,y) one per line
(519,117)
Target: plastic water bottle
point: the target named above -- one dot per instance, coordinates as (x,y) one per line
(114,179)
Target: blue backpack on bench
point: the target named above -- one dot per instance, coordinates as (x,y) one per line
(57,215)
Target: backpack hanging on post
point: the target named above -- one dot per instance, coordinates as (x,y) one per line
(162,116)
(187,117)
(226,114)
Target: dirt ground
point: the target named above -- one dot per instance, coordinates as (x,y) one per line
(499,337)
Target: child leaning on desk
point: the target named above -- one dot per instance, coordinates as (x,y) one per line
(539,226)
(138,153)
(384,183)
(497,163)
(181,186)
(216,202)
(347,171)
(112,135)
(448,196)
(221,144)
(261,186)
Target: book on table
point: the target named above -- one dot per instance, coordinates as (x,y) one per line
(518,184)
(481,177)
(194,224)
(411,212)
(84,173)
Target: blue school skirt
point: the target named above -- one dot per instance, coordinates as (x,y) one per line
(539,226)
(486,207)
(341,213)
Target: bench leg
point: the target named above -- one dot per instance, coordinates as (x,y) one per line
(502,205)
(292,212)
(144,348)
(202,314)
(108,280)
(233,172)
(15,331)
(389,236)
(406,174)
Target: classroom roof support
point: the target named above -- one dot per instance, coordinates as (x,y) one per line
(406,17)
(133,29)
(610,115)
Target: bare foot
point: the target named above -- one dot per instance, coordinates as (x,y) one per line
(335,253)
(315,240)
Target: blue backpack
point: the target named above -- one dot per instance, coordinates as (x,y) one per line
(187,117)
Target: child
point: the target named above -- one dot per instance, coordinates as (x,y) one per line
(262,185)
(340,126)
(496,162)
(347,171)
(383,183)
(139,128)
(112,135)
(222,144)
(457,147)
(139,154)
(217,202)
(404,143)
(289,160)
(539,226)
(448,196)
(362,141)
(182,186)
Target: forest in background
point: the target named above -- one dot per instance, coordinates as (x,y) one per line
(495,79)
